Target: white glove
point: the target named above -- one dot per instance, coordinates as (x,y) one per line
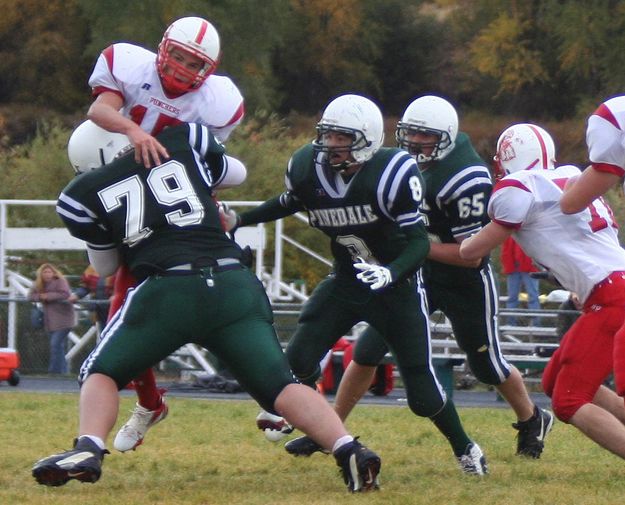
(435,239)
(376,276)
(228,217)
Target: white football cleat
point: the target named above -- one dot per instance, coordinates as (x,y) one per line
(274,427)
(473,462)
(130,436)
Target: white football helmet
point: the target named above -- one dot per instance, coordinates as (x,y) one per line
(358,117)
(524,147)
(90,147)
(432,115)
(192,35)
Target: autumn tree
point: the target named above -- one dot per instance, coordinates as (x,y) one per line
(41,58)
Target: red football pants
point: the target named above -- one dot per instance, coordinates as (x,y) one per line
(592,348)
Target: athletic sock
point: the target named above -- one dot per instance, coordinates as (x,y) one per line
(150,397)
(448,423)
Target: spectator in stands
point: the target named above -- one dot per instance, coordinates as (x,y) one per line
(570,308)
(517,266)
(99,289)
(52,290)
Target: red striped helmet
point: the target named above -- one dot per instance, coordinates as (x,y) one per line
(524,147)
(194,36)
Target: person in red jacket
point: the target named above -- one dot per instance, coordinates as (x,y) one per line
(517,266)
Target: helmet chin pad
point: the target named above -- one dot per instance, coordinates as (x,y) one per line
(175,77)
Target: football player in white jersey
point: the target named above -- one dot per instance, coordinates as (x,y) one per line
(605,137)
(582,252)
(138,94)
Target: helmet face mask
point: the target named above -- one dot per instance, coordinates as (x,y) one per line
(350,132)
(340,153)
(194,40)
(524,147)
(405,134)
(428,115)
(90,147)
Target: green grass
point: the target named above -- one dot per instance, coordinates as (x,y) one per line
(210,452)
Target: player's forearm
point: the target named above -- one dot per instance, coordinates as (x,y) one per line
(449,254)
(580,191)
(480,245)
(109,118)
(271,210)
(413,255)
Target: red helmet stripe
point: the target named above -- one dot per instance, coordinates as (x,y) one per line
(202,32)
(543,148)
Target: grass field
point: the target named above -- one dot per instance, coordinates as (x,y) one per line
(209,452)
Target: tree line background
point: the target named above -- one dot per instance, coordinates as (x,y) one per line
(545,61)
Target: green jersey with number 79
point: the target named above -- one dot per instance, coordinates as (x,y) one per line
(157,217)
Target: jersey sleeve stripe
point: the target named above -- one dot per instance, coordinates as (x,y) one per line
(466,173)
(237,116)
(409,219)
(510,183)
(467,229)
(507,224)
(102,247)
(605,113)
(73,210)
(98,90)
(199,140)
(461,188)
(391,180)
(609,168)
(109,56)
(477,173)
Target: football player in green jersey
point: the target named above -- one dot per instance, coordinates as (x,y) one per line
(164,224)
(457,188)
(366,199)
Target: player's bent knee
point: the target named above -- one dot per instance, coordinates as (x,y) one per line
(309,379)
(484,370)
(425,398)
(423,410)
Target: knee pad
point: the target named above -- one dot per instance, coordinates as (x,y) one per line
(305,372)
(484,370)
(425,399)
(310,379)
